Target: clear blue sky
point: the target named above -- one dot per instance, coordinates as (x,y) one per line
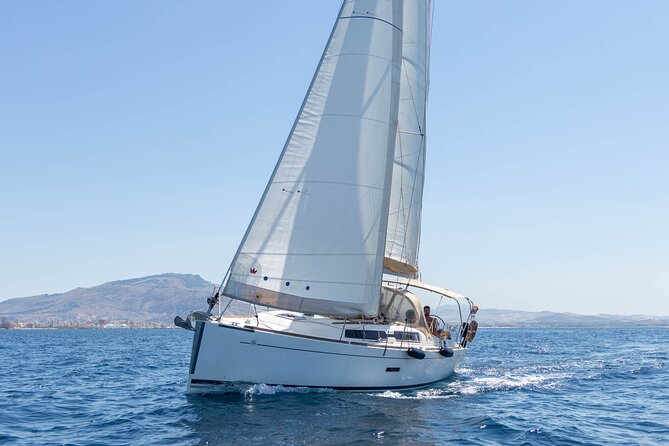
(136,138)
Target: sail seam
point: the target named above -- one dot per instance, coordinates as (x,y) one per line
(371,17)
(309,281)
(293,279)
(376,56)
(308,254)
(345,115)
(328,182)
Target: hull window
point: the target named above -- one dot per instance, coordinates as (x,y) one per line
(374,335)
(406,336)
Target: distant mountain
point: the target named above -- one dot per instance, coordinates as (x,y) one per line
(159,298)
(146,299)
(513,318)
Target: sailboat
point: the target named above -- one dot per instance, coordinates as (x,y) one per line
(329,262)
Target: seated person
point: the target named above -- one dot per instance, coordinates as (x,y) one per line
(431,322)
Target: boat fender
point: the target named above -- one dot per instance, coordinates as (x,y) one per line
(471,331)
(416,353)
(446,352)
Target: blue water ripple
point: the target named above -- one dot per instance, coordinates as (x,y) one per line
(517,386)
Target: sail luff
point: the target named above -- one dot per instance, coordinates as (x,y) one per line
(316,241)
(285,146)
(429,16)
(404,226)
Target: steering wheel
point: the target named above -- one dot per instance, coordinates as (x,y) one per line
(439,323)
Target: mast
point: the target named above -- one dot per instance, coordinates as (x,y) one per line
(316,241)
(404,223)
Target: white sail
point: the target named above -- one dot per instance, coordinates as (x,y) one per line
(409,165)
(316,242)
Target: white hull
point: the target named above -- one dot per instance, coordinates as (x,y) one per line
(227,354)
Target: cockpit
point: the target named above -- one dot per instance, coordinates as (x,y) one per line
(401,306)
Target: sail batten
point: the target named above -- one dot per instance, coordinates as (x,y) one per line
(316,242)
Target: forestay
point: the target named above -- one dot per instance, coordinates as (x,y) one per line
(409,165)
(316,241)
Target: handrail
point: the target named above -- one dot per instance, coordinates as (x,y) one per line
(443,292)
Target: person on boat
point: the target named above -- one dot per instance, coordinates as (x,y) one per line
(431,322)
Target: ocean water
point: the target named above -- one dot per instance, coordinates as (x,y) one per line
(517,386)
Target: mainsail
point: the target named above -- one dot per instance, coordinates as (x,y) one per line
(409,165)
(316,241)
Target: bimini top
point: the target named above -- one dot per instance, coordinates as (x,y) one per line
(427,287)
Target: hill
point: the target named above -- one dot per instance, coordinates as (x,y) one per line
(490,317)
(157,299)
(146,299)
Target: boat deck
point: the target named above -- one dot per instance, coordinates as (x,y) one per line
(365,332)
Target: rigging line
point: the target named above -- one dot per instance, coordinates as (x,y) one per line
(403,211)
(391,242)
(428,45)
(408,154)
(410,133)
(400,210)
(413,100)
(411,202)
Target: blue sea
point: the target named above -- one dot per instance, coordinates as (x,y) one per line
(517,386)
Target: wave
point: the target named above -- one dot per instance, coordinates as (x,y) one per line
(473,385)
(419,395)
(267,389)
